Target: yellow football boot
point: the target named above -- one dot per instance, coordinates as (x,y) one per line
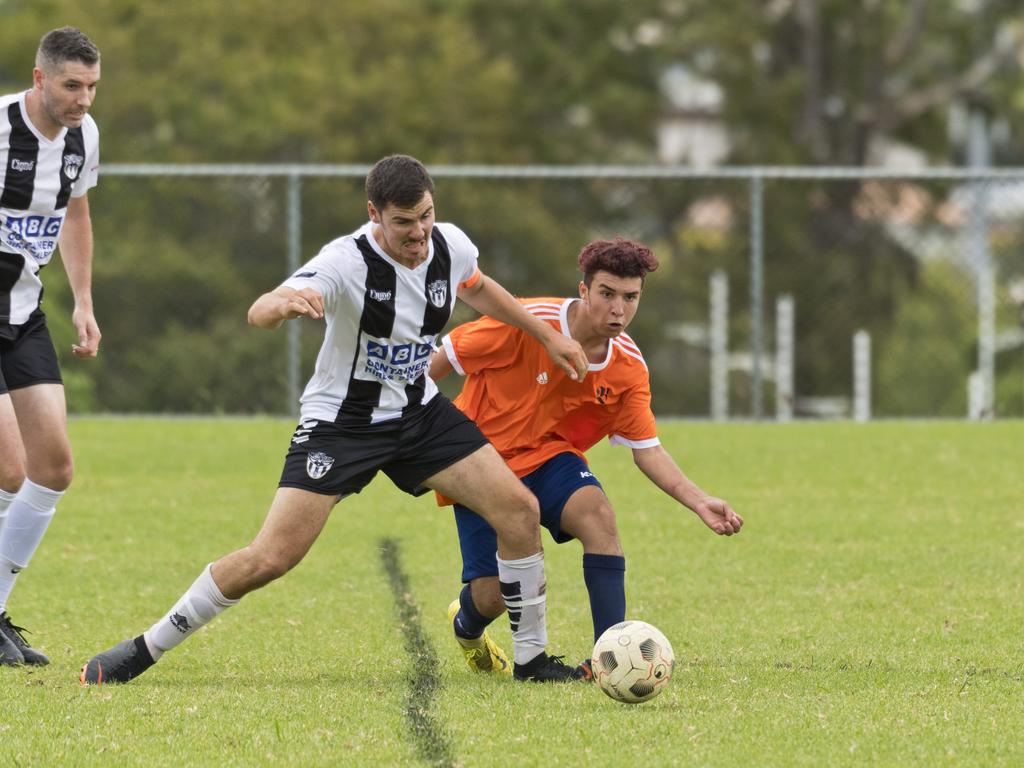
(482,654)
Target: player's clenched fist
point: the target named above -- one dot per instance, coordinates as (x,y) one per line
(283,303)
(306,301)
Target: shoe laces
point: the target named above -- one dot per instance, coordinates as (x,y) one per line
(556,661)
(6,623)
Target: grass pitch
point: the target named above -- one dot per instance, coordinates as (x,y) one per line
(869,614)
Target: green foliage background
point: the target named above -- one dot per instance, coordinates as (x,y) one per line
(178,260)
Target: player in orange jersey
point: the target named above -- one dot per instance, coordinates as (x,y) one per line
(542,423)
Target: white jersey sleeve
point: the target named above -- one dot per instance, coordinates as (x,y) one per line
(323,273)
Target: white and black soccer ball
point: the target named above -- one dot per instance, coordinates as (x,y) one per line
(632,662)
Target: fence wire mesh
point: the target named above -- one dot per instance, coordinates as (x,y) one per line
(928,266)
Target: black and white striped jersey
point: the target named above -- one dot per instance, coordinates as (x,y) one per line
(383,320)
(39,177)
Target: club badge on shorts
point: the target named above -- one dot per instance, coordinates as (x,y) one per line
(318,463)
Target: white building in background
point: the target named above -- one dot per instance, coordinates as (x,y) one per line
(691,131)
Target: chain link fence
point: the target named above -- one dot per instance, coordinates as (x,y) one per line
(767,277)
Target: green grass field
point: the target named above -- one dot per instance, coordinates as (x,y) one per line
(869,614)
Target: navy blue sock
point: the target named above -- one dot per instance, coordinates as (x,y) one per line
(605,577)
(469,622)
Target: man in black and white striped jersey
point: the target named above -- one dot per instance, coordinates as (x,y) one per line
(386,291)
(49,158)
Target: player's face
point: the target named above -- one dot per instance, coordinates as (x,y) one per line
(404,233)
(66,95)
(610,302)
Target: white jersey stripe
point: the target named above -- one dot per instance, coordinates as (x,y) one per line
(37,178)
(383,321)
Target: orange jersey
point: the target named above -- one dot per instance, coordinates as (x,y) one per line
(530,409)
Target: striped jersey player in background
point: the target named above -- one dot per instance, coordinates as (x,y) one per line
(542,422)
(386,291)
(49,156)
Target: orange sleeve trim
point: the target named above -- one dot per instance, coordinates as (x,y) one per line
(473,279)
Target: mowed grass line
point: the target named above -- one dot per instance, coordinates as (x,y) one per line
(430,738)
(870,613)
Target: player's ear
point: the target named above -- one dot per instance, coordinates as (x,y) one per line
(583,290)
(373,213)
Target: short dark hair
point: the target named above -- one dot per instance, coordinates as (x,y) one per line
(399,180)
(65,44)
(619,256)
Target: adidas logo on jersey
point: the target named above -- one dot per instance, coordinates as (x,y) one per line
(543,378)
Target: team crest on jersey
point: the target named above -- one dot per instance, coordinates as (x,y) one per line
(318,463)
(438,291)
(72,165)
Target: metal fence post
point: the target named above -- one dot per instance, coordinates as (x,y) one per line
(861,376)
(784,353)
(756,292)
(294,254)
(719,337)
(978,157)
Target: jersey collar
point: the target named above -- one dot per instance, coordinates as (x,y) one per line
(368,231)
(563,319)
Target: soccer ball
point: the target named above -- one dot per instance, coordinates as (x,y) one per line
(632,662)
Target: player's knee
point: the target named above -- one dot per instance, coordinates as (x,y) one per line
(62,474)
(524,506)
(56,474)
(599,531)
(12,477)
(265,567)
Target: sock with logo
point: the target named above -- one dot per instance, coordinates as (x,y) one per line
(28,517)
(523,587)
(469,622)
(196,608)
(605,577)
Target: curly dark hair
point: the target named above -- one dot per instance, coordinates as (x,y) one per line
(619,256)
(65,44)
(399,180)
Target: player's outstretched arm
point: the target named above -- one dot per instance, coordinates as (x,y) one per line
(662,470)
(488,298)
(283,303)
(76,253)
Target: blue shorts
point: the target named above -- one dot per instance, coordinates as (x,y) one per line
(552,483)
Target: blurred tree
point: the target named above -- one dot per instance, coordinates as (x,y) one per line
(827,82)
(471,81)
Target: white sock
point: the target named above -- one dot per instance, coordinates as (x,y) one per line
(523,587)
(6,497)
(6,577)
(28,517)
(196,608)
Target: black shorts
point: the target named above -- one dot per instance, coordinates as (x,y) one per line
(327,458)
(29,357)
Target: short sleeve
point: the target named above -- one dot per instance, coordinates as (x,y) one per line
(482,344)
(322,273)
(635,426)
